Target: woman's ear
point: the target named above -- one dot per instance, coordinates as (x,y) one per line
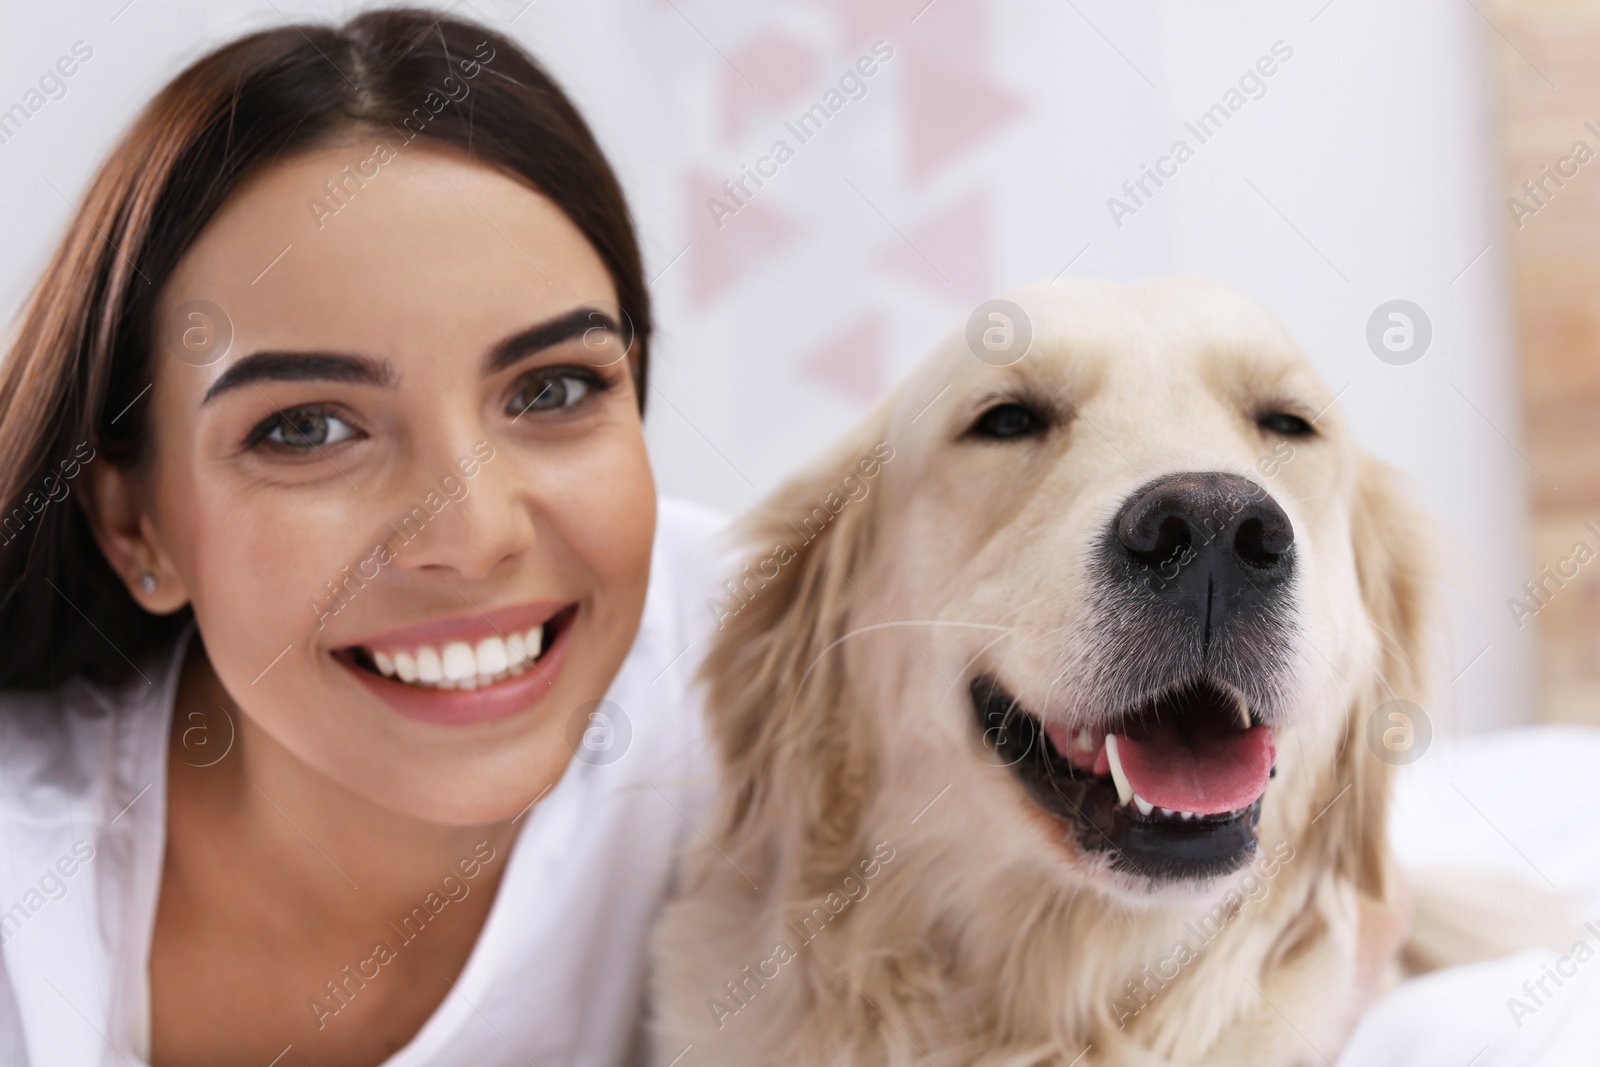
(117,513)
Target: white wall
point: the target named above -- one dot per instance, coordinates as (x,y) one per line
(980,158)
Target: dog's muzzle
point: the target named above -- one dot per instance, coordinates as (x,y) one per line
(1169,747)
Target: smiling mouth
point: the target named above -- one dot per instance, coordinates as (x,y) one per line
(1171,788)
(462,664)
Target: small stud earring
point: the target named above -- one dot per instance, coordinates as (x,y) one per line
(147,582)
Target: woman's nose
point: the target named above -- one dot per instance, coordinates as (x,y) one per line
(468,523)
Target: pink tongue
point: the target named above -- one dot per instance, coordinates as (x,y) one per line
(1209,774)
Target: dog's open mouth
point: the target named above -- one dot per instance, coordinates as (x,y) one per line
(1171,787)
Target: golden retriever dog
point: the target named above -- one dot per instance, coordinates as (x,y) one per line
(1042,710)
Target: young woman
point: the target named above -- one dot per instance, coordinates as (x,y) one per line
(346,652)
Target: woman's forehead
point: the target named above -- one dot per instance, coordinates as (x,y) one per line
(432,253)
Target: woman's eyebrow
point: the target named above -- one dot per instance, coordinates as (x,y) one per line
(300,367)
(574,323)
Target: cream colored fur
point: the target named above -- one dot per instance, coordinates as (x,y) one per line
(839,708)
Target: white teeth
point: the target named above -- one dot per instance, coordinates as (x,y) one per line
(1124,790)
(429,669)
(1146,808)
(460,665)
(492,656)
(459,662)
(1084,740)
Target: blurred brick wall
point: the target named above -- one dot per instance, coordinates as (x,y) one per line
(1544,54)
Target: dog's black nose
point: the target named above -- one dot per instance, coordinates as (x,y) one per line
(1212,533)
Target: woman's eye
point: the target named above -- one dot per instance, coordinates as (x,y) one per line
(1008,420)
(305,429)
(552,393)
(1281,422)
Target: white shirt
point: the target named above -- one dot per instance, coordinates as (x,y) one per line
(557,973)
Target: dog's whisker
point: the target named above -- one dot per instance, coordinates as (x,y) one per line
(903,637)
(872,627)
(933,622)
(1328,661)
(1392,645)
(1300,742)
(967,666)
(1050,692)
(1030,638)
(1309,497)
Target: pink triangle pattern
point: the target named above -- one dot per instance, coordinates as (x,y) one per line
(781,68)
(863,21)
(952,106)
(955,241)
(852,361)
(958,32)
(724,249)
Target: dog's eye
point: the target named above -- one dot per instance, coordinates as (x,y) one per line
(1008,420)
(1281,422)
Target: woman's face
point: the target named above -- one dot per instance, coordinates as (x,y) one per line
(411,504)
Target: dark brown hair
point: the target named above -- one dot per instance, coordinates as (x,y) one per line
(72,388)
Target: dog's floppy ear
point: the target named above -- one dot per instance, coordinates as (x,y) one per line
(1396,572)
(794,752)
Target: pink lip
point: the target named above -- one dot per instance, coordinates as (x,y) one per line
(460,707)
(468,628)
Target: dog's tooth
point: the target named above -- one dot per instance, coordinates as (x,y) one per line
(1144,806)
(1168,812)
(1185,815)
(1124,790)
(1084,740)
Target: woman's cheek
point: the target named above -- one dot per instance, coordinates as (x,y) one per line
(610,532)
(261,564)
